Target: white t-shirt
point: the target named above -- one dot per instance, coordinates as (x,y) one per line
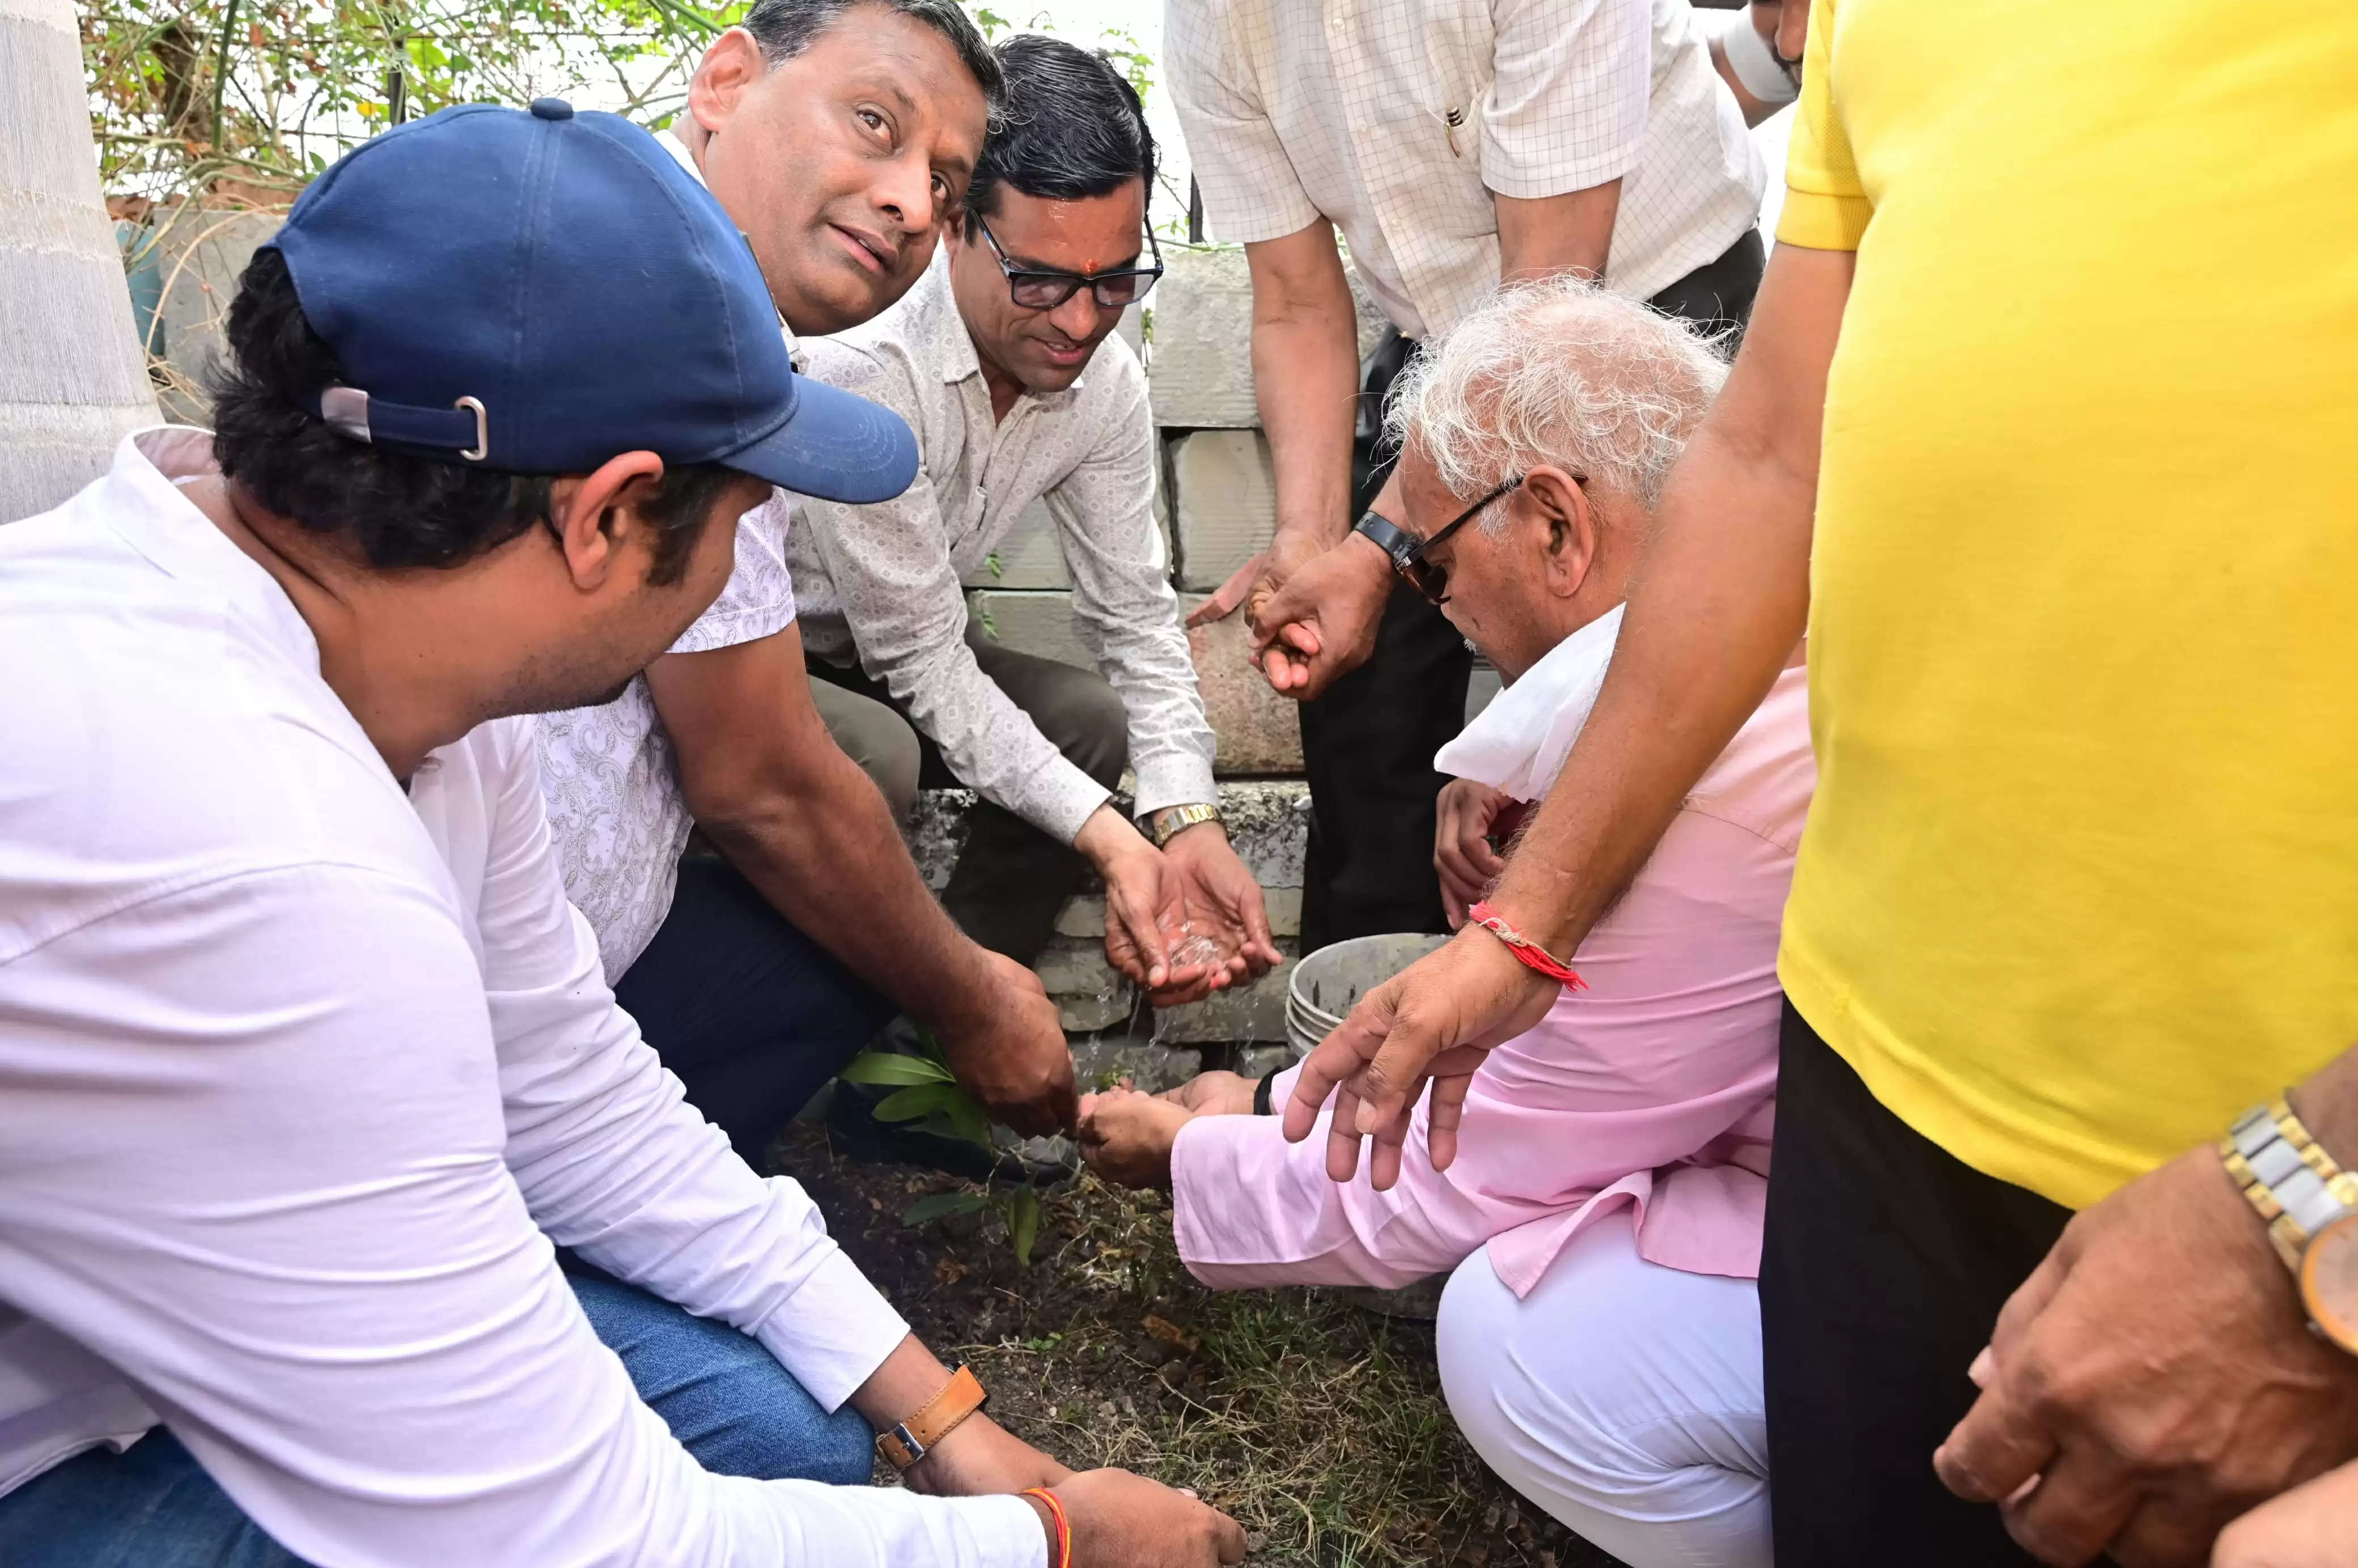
(609,774)
(302,1075)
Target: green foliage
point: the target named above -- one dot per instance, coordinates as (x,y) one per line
(926,1092)
(942,1206)
(880,1068)
(250,98)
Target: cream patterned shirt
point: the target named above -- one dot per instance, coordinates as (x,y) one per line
(1398,119)
(608,776)
(881,583)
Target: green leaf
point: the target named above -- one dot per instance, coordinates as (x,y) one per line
(967,1122)
(1023,1223)
(941,1206)
(919,1100)
(882,1067)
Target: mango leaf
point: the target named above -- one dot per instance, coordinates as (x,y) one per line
(882,1067)
(918,1099)
(1023,1223)
(941,1206)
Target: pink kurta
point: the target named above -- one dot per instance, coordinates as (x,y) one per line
(1655,1087)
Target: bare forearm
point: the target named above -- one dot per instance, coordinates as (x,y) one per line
(828,837)
(1305,361)
(1544,235)
(2327,1103)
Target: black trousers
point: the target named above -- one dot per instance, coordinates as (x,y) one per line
(1367,744)
(750,1013)
(1882,1272)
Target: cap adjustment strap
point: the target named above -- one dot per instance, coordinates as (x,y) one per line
(464,428)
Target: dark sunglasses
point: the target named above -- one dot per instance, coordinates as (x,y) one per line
(1035,290)
(1426,575)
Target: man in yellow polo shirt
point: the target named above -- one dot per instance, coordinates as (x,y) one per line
(2048,420)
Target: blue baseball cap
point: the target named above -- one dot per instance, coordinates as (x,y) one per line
(537,292)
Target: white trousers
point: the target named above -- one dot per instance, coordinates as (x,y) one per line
(1622,1397)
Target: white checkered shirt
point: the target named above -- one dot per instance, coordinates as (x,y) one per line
(1398,119)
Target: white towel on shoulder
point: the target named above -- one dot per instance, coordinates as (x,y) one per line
(1518,744)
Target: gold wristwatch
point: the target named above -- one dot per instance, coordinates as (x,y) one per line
(1165,824)
(2311,1207)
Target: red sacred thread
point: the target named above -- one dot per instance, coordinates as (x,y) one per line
(1528,953)
(1064,1554)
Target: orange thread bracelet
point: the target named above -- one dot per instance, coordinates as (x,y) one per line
(1063,1557)
(1528,953)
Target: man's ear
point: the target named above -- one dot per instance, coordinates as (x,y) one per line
(595,516)
(727,72)
(1562,507)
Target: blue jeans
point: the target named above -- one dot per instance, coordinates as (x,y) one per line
(726,1400)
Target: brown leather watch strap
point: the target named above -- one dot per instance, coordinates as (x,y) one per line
(959,1397)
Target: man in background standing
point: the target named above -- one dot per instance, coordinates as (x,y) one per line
(1454,144)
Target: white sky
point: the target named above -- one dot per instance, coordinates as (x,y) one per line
(1086,23)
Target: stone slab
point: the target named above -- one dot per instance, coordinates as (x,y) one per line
(1028,558)
(1256,1012)
(1260,1061)
(1154,1068)
(1226,493)
(1258,731)
(1031,621)
(1199,374)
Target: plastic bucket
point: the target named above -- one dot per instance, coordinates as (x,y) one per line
(1329,983)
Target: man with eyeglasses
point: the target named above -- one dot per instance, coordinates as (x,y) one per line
(1002,359)
(1452,145)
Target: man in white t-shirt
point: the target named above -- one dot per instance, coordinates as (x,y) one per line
(308,1062)
(835,133)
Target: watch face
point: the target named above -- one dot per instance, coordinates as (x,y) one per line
(2328,1281)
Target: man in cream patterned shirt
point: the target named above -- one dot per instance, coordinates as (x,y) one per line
(1003,360)
(836,137)
(1454,144)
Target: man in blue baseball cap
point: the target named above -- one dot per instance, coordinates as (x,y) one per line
(308,1065)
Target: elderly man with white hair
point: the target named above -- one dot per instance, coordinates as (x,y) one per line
(1599,1338)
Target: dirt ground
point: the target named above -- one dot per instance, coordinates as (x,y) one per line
(1320,1426)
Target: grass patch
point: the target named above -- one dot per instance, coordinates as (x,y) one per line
(1318,1426)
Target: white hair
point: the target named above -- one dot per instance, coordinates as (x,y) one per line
(1560,372)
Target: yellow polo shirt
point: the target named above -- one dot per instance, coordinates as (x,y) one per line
(2080,881)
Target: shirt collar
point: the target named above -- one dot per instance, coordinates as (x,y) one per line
(138,499)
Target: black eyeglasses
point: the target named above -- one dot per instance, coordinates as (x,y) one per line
(1037,290)
(1426,575)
